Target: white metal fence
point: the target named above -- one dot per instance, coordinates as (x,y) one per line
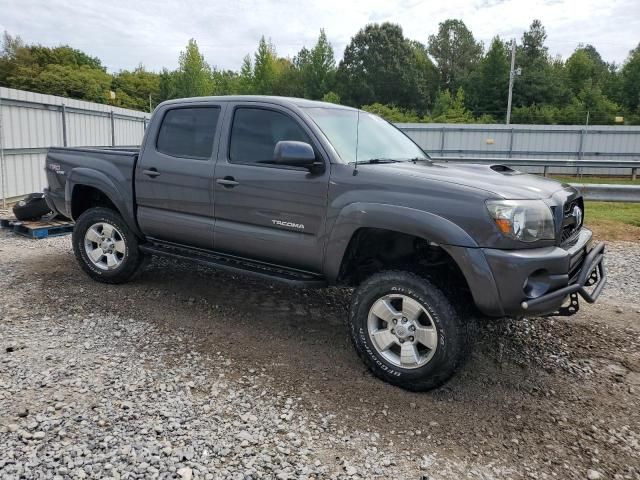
(32,122)
(569,142)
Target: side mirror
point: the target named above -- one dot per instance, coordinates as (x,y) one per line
(296,154)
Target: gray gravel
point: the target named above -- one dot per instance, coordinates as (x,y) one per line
(84,394)
(623,270)
(89,393)
(102,396)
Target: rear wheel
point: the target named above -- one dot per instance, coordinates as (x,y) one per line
(406,330)
(105,247)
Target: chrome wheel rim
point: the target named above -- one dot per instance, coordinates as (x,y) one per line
(105,246)
(402,331)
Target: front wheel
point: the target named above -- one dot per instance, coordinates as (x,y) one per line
(406,330)
(105,247)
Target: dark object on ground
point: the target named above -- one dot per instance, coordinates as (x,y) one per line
(31,207)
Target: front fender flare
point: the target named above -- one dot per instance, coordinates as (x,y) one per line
(388,217)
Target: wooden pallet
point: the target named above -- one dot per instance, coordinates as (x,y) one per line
(43,228)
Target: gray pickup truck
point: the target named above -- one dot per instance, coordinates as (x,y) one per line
(315,194)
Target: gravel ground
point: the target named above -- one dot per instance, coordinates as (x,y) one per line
(189,373)
(623,269)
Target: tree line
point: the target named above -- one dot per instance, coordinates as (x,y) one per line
(452,78)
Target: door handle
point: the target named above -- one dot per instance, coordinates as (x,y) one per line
(151,172)
(227,182)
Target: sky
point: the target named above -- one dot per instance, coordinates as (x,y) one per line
(125,34)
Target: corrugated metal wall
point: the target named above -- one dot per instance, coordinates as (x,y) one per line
(32,122)
(529,141)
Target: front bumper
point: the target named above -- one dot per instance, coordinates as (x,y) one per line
(592,274)
(534,281)
(538,281)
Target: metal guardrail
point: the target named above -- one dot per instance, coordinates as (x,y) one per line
(546,163)
(609,193)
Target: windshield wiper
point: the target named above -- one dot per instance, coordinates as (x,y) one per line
(377,160)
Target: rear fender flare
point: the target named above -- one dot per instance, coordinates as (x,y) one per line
(98,180)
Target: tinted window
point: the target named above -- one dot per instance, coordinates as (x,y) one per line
(188,132)
(255,132)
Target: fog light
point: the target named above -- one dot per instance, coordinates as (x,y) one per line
(537,284)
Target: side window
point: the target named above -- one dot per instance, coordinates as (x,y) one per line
(188,132)
(256,131)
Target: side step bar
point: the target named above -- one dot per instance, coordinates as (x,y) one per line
(289,276)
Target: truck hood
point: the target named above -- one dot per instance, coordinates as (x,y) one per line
(499,180)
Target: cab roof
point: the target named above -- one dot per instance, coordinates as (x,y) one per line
(284,101)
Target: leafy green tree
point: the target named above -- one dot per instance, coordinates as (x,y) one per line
(630,82)
(11,46)
(331,97)
(426,77)
(451,109)
(488,86)
(380,65)
(265,68)
(136,89)
(62,70)
(168,85)
(542,80)
(456,53)
(392,113)
(585,67)
(82,82)
(317,68)
(590,104)
(288,79)
(194,77)
(535,114)
(245,78)
(225,82)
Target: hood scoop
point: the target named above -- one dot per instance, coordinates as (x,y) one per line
(505,170)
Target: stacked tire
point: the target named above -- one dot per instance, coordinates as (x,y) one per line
(32,207)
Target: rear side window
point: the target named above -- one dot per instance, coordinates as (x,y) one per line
(256,131)
(188,132)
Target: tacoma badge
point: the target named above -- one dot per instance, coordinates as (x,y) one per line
(288,224)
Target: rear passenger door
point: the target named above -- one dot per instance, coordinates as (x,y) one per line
(174,176)
(263,211)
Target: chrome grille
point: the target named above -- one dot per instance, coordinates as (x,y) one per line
(570,226)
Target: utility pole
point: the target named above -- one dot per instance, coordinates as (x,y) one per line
(512,74)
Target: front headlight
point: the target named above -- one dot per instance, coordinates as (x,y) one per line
(523,220)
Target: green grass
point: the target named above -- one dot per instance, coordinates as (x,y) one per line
(589,179)
(628,213)
(613,221)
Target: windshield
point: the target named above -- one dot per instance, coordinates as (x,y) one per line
(371,136)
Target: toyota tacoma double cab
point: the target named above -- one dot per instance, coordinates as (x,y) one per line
(315,194)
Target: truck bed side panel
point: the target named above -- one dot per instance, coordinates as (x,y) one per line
(110,171)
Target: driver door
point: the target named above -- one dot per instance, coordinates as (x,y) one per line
(263,211)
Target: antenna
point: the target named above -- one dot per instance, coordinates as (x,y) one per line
(355,170)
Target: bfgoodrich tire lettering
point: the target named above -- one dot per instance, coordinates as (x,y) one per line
(128,263)
(449,342)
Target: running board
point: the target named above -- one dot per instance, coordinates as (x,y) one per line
(276,273)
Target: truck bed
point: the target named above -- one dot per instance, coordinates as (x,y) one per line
(116,164)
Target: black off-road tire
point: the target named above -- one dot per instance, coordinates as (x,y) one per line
(133,257)
(32,207)
(451,329)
